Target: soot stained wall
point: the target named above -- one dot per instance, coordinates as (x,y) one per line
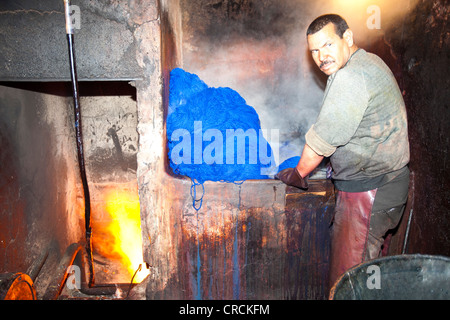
(421,45)
(38,173)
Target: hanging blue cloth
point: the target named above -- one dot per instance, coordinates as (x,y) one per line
(213,134)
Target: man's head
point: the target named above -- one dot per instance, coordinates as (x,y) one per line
(330,42)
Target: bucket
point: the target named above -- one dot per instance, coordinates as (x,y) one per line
(401,277)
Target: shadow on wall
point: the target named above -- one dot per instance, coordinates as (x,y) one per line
(425,83)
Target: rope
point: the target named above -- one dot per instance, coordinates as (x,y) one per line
(193,192)
(197,203)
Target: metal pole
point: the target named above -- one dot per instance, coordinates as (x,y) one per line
(79,139)
(410,205)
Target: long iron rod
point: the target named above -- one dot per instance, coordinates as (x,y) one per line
(79,139)
(411,211)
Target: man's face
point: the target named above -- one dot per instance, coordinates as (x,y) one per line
(328,50)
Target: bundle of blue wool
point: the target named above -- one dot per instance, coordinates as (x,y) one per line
(212,134)
(289,163)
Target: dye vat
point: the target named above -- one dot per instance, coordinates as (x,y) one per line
(256,240)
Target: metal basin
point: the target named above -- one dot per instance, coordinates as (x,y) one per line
(402,277)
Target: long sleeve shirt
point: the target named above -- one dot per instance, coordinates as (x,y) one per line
(362,124)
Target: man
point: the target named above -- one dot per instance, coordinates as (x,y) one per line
(362,127)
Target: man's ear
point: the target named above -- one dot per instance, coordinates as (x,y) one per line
(348,36)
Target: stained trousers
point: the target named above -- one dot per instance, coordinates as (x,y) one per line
(361,222)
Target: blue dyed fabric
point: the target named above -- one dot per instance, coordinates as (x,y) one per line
(289,163)
(213,134)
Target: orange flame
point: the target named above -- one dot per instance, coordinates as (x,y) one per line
(121,238)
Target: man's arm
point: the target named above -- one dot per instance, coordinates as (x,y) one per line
(308,161)
(295,176)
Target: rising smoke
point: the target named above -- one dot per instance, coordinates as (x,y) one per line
(259,49)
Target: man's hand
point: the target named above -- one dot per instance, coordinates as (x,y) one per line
(291,177)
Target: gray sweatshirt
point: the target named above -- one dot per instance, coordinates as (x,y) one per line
(362,125)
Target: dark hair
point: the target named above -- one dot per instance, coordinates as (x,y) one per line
(340,25)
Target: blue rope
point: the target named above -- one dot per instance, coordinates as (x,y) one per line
(194,195)
(193,191)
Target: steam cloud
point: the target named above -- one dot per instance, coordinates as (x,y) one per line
(262,53)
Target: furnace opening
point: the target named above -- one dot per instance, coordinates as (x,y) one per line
(41,166)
